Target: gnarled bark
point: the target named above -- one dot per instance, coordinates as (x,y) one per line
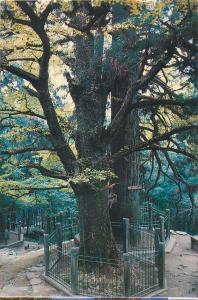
(127,168)
(96,237)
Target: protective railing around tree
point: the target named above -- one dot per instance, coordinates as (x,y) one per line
(139,269)
(39,217)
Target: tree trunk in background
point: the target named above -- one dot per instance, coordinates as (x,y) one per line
(127,169)
(96,237)
(2,225)
(130,172)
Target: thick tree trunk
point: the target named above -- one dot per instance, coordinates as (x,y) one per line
(127,168)
(96,237)
(89,93)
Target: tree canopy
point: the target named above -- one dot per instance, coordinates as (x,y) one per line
(78,76)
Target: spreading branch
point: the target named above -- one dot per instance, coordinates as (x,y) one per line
(63,149)
(22,73)
(179,177)
(113,129)
(24,150)
(152,143)
(14,112)
(46,172)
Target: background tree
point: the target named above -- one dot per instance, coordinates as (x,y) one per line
(100,51)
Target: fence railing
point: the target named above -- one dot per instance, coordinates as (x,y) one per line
(139,269)
(38,218)
(10,235)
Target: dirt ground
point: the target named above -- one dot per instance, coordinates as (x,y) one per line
(182,269)
(21,272)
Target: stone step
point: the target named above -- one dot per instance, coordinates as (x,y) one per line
(170,244)
(45,290)
(17,291)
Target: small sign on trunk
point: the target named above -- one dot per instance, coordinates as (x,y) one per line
(134,187)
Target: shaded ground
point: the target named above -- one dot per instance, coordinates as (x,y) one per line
(20,273)
(182,269)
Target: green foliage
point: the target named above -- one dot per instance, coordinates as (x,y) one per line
(93,176)
(124,45)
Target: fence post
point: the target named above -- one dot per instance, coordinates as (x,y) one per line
(156,243)
(46,253)
(42,220)
(8,224)
(162,237)
(61,218)
(51,225)
(48,223)
(19,230)
(161,266)
(168,223)
(126,274)
(54,221)
(125,235)
(150,211)
(74,270)
(28,221)
(6,236)
(59,239)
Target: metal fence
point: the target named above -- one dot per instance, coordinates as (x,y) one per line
(138,270)
(151,217)
(10,236)
(37,218)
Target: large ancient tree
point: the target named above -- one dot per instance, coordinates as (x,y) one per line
(122,55)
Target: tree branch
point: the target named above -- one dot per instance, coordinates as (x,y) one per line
(22,22)
(31,92)
(24,150)
(33,189)
(47,172)
(179,178)
(22,73)
(49,8)
(28,11)
(169,149)
(18,112)
(158,171)
(113,128)
(59,142)
(167,135)
(151,143)
(151,101)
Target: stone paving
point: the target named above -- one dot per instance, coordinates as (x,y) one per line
(21,274)
(182,268)
(29,283)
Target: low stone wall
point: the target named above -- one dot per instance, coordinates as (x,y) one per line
(13,241)
(194,242)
